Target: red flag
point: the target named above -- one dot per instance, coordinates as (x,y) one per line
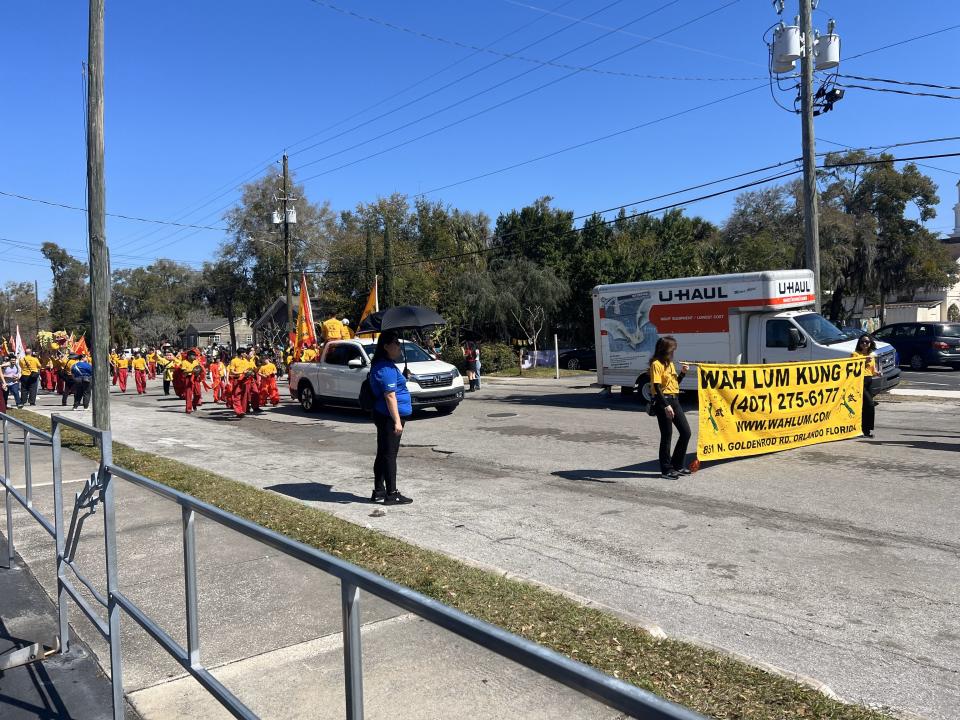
(80,346)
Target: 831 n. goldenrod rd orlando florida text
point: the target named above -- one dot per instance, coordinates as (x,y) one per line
(753,409)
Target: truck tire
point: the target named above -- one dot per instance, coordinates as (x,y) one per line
(573,364)
(645,388)
(308,399)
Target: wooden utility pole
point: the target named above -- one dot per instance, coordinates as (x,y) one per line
(96,223)
(811,220)
(286,248)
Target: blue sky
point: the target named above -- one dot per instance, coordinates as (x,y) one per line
(202,95)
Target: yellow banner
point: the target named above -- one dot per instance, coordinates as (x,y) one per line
(755,409)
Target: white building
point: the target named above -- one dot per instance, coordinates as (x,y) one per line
(934,305)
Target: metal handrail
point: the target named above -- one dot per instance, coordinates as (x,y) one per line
(586,680)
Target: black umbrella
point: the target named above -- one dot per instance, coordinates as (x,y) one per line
(403,317)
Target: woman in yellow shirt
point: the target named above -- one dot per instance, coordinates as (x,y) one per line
(269,393)
(123,368)
(140,373)
(666,398)
(866,346)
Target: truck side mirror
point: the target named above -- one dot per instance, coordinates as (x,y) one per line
(355,363)
(796,340)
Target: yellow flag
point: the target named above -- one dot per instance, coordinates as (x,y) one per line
(306,331)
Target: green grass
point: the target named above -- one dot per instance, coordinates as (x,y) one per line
(540,372)
(704,680)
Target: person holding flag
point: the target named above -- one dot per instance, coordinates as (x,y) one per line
(306,331)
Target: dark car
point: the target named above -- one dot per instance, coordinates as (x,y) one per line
(579,359)
(920,344)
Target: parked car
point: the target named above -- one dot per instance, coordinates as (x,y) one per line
(335,379)
(579,359)
(920,344)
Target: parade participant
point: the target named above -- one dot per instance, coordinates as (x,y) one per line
(114,366)
(179,381)
(66,372)
(391,406)
(192,387)
(48,375)
(254,380)
(666,396)
(140,373)
(240,374)
(123,369)
(866,346)
(347,333)
(30,376)
(151,363)
(267,372)
(217,375)
(166,364)
(332,329)
(82,372)
(309,353)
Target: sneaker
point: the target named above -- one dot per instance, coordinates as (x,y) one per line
(682,471)
(670,475)
(378,496)
(395,498)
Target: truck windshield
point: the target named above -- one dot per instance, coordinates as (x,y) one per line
(820,329)
(414,353)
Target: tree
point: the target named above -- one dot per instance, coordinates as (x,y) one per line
(256,245)
(226,289)
(69,298)
(155,328)
(387,267)
(879,253)
(19,307)
(370,261)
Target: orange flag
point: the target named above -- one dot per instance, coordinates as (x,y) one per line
(306,330)
(372,306)
(80,347)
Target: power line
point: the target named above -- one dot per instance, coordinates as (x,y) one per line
(898,92)
(591,141)
(902,42)
(515,56)
(900,82)
(464,77)
(512,99)
(884,147)
(116,215)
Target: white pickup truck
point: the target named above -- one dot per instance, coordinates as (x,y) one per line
(335,379)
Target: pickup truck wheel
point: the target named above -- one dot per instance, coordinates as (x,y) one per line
(917,362)
(308,400)
(573,364)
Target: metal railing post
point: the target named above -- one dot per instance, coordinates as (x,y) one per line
(63,608)
(110,551)
(190,583)
(8,496)
(352,653)
(27,474)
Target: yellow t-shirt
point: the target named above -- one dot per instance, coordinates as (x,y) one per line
(139,364)
(308,355)
(333,329)
(239,366)
(267,369)
(187,366)
(29,364)
(869,365)
(123,363)
(665,376)
(151,357)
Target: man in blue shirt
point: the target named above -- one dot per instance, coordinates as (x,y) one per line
(391,406)
(82,380)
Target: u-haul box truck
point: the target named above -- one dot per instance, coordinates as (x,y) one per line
(747,318)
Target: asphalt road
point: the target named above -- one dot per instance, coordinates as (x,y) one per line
(838,562)
(930,379)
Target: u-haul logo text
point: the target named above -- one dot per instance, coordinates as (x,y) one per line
(793,287)
(706,293)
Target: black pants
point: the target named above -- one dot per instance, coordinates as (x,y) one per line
(868,412)
(28,387)
(388,445)
(67,391)
(81,393)
(166,386)
(676,461)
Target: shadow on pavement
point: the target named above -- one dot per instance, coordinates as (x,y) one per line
(626,403)
(918,444)
(316,492)
(649,469)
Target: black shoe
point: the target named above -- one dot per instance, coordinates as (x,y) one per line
(868,434)
(378,496)
(682,471)
(670,475)
(395,498)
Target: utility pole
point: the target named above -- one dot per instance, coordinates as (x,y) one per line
(96,223)
(811,219)
(286,247)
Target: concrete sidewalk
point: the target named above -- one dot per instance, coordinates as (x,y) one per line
(269,625)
